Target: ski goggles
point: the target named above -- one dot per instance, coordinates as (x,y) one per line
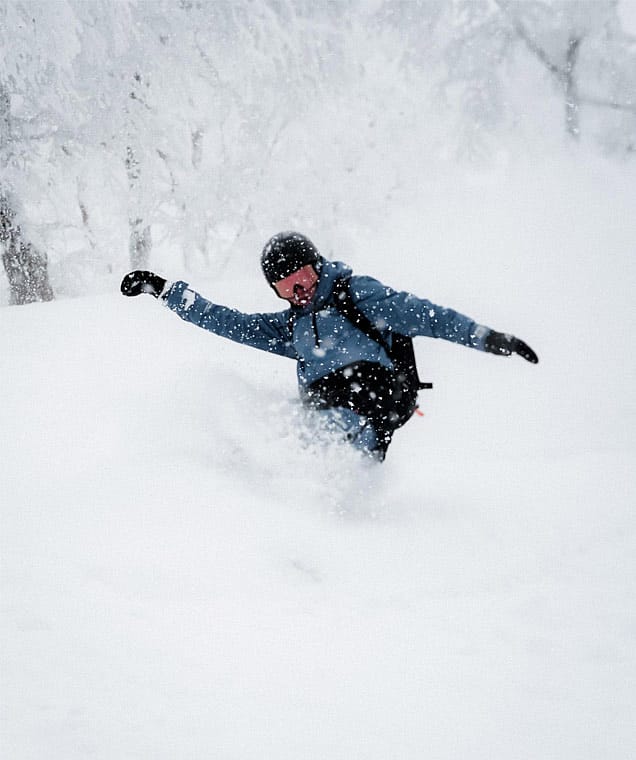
(299,287)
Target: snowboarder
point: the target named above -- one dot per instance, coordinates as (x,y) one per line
(351,336)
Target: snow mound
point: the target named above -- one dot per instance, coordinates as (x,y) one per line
(184,577)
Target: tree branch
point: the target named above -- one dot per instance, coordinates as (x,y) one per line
(540,53)
(593,101)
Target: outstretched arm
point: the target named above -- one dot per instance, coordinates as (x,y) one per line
(267,332)
(407,314)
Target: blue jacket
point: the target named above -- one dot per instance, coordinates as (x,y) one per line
(317,336)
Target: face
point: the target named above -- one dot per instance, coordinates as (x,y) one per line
(299,287)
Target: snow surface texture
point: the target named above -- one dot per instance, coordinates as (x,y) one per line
(185,577)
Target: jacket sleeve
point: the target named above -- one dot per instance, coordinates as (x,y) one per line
(267,332)
(409,315)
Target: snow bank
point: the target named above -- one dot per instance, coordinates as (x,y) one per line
(182,578)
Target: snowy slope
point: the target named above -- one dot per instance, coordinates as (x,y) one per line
(184,578)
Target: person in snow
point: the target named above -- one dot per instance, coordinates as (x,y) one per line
(351,336)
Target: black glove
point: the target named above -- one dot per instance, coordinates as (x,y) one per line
(138,282)
(504,345)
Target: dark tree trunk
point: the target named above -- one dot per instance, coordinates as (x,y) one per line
(26,267)
(140,244)
(571,90)
(140,241)
(27,272)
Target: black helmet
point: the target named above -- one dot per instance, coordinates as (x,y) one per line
(285,253)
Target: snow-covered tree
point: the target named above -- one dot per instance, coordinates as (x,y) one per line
(582,46)
(37,117)
(200,128)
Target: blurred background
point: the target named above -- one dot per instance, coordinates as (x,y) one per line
(180,135)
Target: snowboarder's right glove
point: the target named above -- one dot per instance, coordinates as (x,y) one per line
(138,282)
(504,345)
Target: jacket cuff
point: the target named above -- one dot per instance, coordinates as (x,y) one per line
(173,295)
(478,337)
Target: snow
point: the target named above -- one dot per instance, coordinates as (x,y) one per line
(185,575)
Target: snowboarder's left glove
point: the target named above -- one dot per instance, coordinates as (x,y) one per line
(137,282)
(504,345)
